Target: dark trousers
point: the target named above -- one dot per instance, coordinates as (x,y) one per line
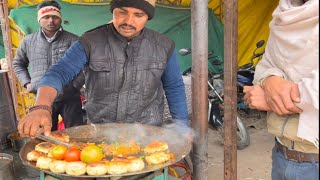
(71,112)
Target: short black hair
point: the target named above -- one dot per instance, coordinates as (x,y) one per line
(48,3)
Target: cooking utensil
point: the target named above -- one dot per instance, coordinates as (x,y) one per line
(52,140)
(142,134)
(17,141)
(6,166)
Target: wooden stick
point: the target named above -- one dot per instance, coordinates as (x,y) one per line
(5,27)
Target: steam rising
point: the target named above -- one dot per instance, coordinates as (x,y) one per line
(178,135)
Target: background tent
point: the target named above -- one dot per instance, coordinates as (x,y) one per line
(254,17)
(78,18)
(253,22)
(172,21)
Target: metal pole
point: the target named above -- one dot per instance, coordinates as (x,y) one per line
(230,94)
(199,31)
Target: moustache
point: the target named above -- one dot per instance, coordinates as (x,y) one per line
(127,25)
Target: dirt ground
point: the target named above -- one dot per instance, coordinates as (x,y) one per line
(254,162)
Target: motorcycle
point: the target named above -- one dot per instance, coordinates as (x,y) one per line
(246,75)
(215,95)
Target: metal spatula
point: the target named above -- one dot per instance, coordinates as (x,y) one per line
(52,140)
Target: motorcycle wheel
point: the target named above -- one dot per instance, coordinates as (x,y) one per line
(243,138)
(242,135)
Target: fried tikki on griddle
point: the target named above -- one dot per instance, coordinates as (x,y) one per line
(58,166)
(60,136)
(76,168)
(134,164)
(120,149)
(97,168)
(117,167)
(34,155)
(157,158)
(79,145)
(44,147)
(156,146)
(43,162)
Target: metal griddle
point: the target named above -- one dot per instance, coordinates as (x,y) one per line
(122,133)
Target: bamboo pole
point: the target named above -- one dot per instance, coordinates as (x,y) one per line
(221,10)
(5,27)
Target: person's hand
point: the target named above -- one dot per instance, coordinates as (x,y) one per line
(28,87)
(36,122)
(281,95)
(181,128)
(255,98)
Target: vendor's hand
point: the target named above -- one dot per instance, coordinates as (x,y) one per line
(255,98)
(36,122)
(180,127)
(281,95)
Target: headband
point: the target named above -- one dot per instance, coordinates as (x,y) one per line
(48,10)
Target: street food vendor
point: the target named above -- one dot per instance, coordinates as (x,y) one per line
(128,69)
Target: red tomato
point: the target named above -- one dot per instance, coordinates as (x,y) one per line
(58,152)
(72,154)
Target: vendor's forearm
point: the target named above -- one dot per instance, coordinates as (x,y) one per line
(46,95)
(175,90)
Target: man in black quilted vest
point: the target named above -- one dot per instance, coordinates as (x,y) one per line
(39,51)
(128,69)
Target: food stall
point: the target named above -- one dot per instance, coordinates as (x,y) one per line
(14,89)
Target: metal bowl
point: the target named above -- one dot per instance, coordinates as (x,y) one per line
(6,166)
(17,141)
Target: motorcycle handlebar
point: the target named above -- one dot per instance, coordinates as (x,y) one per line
(258,55)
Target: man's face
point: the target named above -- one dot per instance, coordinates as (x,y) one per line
(50,23)
(129,21)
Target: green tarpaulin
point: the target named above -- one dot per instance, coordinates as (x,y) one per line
(172,21)
(2,53)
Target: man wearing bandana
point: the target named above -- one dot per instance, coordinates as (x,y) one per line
(128,69)
(39,51)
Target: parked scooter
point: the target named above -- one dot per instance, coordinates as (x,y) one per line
(216,90)
(216,103)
